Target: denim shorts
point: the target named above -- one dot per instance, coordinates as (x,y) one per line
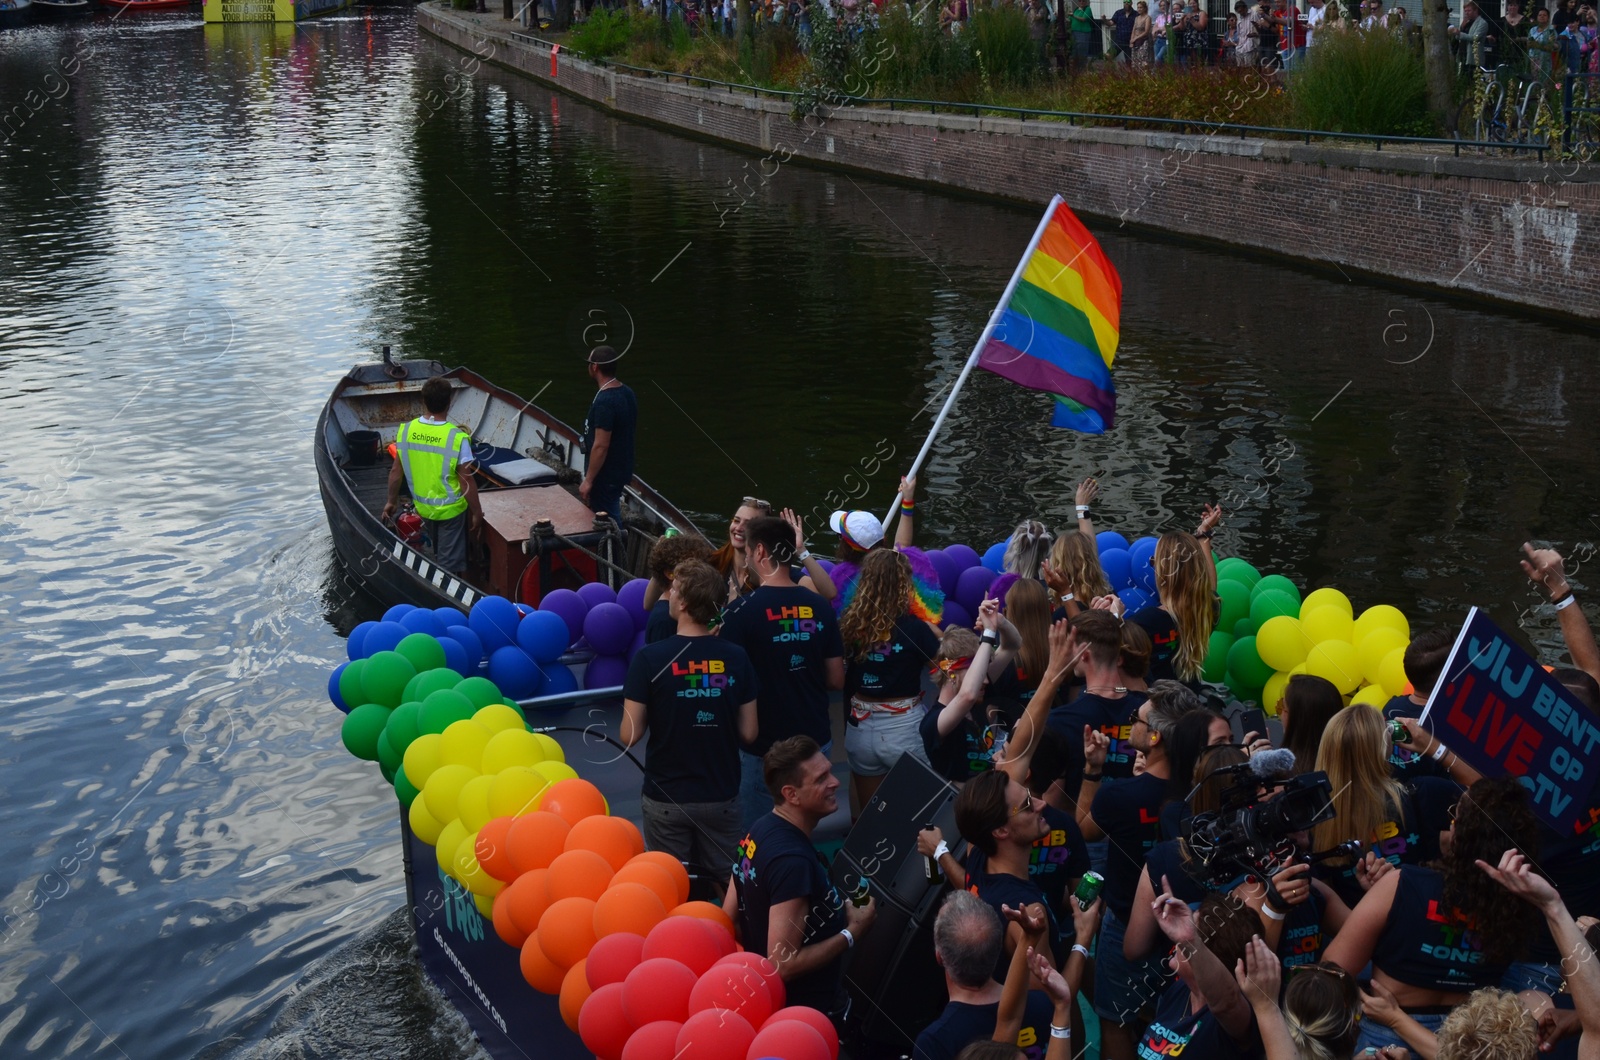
(874,744)
(1375,1035)
(1532,975)
(1123,987)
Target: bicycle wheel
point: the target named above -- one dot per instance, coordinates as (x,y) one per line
(1490,127)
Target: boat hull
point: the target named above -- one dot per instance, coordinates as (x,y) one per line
(15,17)
(270,10)
(48,12)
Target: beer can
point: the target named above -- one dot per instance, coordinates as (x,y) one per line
(1089,888)
(1397,731)
(861,894)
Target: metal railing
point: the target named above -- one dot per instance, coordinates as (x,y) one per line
(1580,111)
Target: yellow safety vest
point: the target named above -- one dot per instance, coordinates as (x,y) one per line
(429,453)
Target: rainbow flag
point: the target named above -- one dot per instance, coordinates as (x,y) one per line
(1057,327)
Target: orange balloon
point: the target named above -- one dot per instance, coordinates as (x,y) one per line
(652,876)
(574,992)
(527,898)
(493,855)
(543,974)
(579,874)
(629,907)
(573,799)
(680,875)
(535,840)
(705,911)
(567,931)
(614,838)
(504,926)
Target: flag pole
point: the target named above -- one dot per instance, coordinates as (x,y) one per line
(977,350)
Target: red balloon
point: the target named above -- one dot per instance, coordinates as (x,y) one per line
(735,987)
(764,967)
(715,1034)
(790,1039)
(724,938)
(653,1041)
(613,957)
(811,1017)
(658,989)
(601,1024)
(685,939)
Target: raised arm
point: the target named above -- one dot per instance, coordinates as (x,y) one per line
(904,533)
(1210,519)
(1428,745)
(1026,927)
(1026,734)
(821,581)
(1096,745)
(1088,490)
(1010,643)
(1258,976)
(1545,568)
(1215,982)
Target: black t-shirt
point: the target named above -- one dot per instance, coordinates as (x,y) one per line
(777,864)
(616,410)
(1174,1032)
(661,624)
(964,751)
(1057,859)
(960,1024)
(1406,766)
(1129,812)
(1573,864)
(1163,632)
(1002,888)
(1413,839)
(1114,717)
(1011,691)
(1428,944)
(789,633)
(894,668)
(691,688)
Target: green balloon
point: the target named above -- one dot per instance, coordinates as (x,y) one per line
(361,729)
(385,677)
(480,691)
(388,758)
(423,651)
(1245,664)
(1243,692)
(1238,570)
(350,684)
(1235,603)
(404,788)
(405,725)
(444,707)
(1244,628)
(1272,603)
(1277,583)
(436,680)
(1216,664)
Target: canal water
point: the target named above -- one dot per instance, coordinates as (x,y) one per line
(203,227)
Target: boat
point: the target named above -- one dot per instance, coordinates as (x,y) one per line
(225,11)
(59,10)
(148,5)
(538,535)
(15,13)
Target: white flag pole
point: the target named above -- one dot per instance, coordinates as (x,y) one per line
(977,349)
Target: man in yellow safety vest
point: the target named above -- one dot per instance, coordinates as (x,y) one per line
(434,457)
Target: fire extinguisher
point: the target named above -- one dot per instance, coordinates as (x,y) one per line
(408,524)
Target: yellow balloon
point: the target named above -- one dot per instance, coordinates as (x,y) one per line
(552,750)
(1372,696)
(1328,597)
(1377,617)
(1336,661)
(1281,642)
(513,747)
(444,788)
(1328,623)
(462,744)
(472,805)
(553,772)
(444,851)
(471,874)
(1297,669)
(1272,694)
(421,759)
(497,717)
(1374,648)
(515,791)
(423,824)
(485,906)
(1392,673)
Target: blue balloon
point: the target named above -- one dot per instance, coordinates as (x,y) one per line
(455,657)
(1118,566)
(516,675)
(1134,599)
(558,681)
(1143,552)
(470,643)
(1145,578)
(451,616)
(995,557)
(358,636)
(333,687)
(1107,539)
(423,621)
(398,611)
(494,619)
(543,635)
(385,636)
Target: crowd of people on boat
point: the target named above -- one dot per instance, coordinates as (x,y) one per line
(1431,911)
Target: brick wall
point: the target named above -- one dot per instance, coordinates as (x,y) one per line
(1523,233)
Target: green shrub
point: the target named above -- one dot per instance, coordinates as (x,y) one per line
(604,34)
(1357,83)
(1002,49)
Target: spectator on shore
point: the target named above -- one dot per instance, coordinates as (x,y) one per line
(1230,39)
(1175,31)
(1039,32)
(1247,38)
(1292,28)
(1316,13)
(1371,15)
(1121,24)
(1142,39)
(1542,45)
(1477,39)
(1060,37)
(1084,32)
(1158,27)
(1195,37)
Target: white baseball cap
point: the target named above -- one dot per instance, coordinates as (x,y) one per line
(860,529)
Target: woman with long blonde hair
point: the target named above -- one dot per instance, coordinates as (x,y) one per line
(886,650)
(1180,626)
(1026,549)
(1074,573)
(1027,610)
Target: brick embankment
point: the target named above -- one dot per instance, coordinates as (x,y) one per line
(1525,234)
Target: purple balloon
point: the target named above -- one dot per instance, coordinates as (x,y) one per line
(1002,585)
(609,629)
(974,582)
(631,596)
(596,593)
(955,615)
(1118,566)
(949,570)
(638,642)
(570,606)
(965,556)
(605,671)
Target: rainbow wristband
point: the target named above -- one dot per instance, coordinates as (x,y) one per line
(907,507)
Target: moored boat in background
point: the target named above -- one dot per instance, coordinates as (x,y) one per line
(15,13)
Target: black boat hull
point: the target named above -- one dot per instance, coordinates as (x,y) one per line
(48,12)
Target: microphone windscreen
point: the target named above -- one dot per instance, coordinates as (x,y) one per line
(1278,762)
